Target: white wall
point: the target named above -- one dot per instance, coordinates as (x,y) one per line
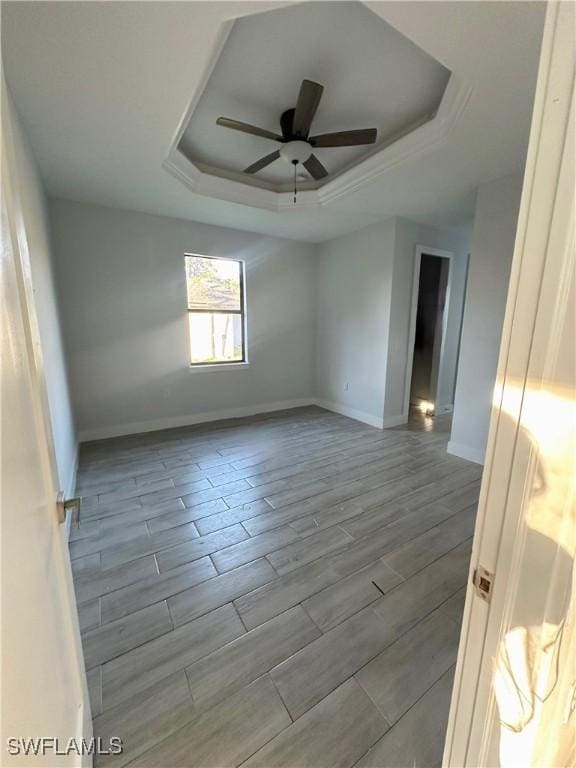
(354,285)
(491,250)
(125,319)
(450,350)
(364,299)
(28,189)
(409,234)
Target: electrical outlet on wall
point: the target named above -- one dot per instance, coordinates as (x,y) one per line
(346,387)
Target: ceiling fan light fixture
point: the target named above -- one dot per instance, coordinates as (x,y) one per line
(296,151)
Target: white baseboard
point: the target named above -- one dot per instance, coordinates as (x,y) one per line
(466,452)
(395,421)
(447,408)
(135,428)
(352,413)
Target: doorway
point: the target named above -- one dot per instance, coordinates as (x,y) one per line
(432,288)
(427,368)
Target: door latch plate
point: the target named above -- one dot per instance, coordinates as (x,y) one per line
(483,581)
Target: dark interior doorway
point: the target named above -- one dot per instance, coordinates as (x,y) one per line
(432,288)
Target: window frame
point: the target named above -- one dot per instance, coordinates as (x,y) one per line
(243,361)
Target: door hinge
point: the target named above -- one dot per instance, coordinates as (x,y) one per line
(483,581)
(64,505)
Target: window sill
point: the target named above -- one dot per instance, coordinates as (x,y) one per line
(219,367)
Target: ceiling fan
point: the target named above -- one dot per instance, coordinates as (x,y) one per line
(297,145)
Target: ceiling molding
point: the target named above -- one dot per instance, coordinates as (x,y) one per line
(425,138)
(420,139)
(102,104)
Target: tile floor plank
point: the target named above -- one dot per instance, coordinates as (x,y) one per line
(195,548)
(253,548)
(138,489)
(105,643)
(226,735)
(136,670)
(229,574)
(117,554)
(417,739)
(141,514)
(95,582)
(299,553)
(334,734)
(89,615)
(312,673)
(145,719)
(401,674)
(334,604)
(228,517)
(94,682)
(454,606)
(224,491)
(433,543)
(217,676)
(410,602)
(277,596)
(388,538)
(154,588)
(292,512)
(90,544)
(184,515)
(327,517)
(204,597)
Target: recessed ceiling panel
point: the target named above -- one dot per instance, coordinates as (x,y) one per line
(373,77)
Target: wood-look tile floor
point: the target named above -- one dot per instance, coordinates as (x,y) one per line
(284,590)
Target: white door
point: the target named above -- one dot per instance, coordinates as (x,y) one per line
(43,682)
(514,698)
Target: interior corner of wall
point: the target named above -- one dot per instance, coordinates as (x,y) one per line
(351,413)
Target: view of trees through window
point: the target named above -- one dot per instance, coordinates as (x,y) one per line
(215,309)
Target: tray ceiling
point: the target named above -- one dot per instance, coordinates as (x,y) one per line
(101,88)
(373,76)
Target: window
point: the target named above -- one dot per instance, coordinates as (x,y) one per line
(215,310)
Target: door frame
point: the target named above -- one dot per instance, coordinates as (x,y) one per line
(543,252)
(18,239)
(423,250)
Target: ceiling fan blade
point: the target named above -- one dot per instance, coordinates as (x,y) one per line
(315,168)
(236,125)
(345,138)
(306,106)
(262,163)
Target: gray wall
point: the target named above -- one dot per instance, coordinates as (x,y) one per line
(122,275)
(354,285)
(365,284)
(457,285)
(409,234)
(30,193)
(491,251)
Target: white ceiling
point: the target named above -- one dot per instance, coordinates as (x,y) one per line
(102,87)
(373,77)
